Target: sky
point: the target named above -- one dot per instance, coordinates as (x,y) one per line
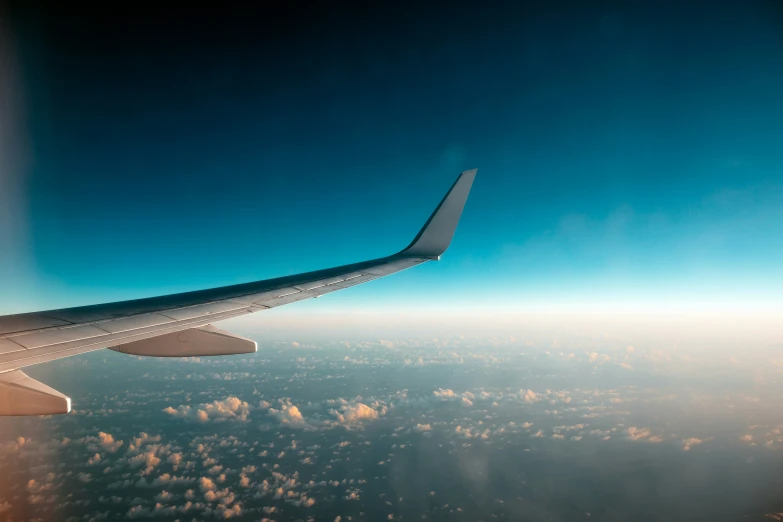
(628,153)
(602,340)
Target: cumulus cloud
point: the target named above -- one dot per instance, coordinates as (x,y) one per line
(644,434)
(445,394)
(166,479)
(356,413)
(94,460)
(206,484)
(288,415)
(422,427)
(230,408)
(149,460)
(688,443)
(528,395)
(103,442)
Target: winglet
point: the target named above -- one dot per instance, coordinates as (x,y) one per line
(435,237)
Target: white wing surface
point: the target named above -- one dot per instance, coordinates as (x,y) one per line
(179,325)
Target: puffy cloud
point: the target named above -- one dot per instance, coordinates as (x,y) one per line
(422,427)
(164,496)
(142,440)
(230,408)
(166,479)
(356,413)
(635,433)
(103,442)
(206,484)
(528,395)
(445,394)
(138,511)
(288,415)
(687,444)
(175,459)
(149,460)
(108,443)
(221,511)
(95,459)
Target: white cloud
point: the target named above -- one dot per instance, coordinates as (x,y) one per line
(94,460)
(103,442)
(288,415)
(528,395)
(170,479)
(635,433)
(445,394)
(356,413)
(230,408)
(688,443)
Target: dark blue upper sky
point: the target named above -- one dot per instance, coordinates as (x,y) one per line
(626,151)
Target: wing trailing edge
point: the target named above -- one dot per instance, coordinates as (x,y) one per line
(436,234)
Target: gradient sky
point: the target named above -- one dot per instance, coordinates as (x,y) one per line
(628,155)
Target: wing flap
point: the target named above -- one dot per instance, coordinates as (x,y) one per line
(194,342)
(22,395)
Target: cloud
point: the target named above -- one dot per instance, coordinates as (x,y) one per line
(164,496)
(356,413)
(143,439)
(103,442)
(166,479)
(148,459)
(422,427)
(687,444)
(138,511)
(635,433)
(230,408)
(445,394)
(175,459)
(528,396)
(288,415)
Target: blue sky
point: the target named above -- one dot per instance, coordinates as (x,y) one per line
(626,154)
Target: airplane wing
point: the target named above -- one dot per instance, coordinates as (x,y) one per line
(179,325)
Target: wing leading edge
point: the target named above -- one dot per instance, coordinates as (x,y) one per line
(33,338)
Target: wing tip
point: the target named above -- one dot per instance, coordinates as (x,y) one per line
(436,235)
